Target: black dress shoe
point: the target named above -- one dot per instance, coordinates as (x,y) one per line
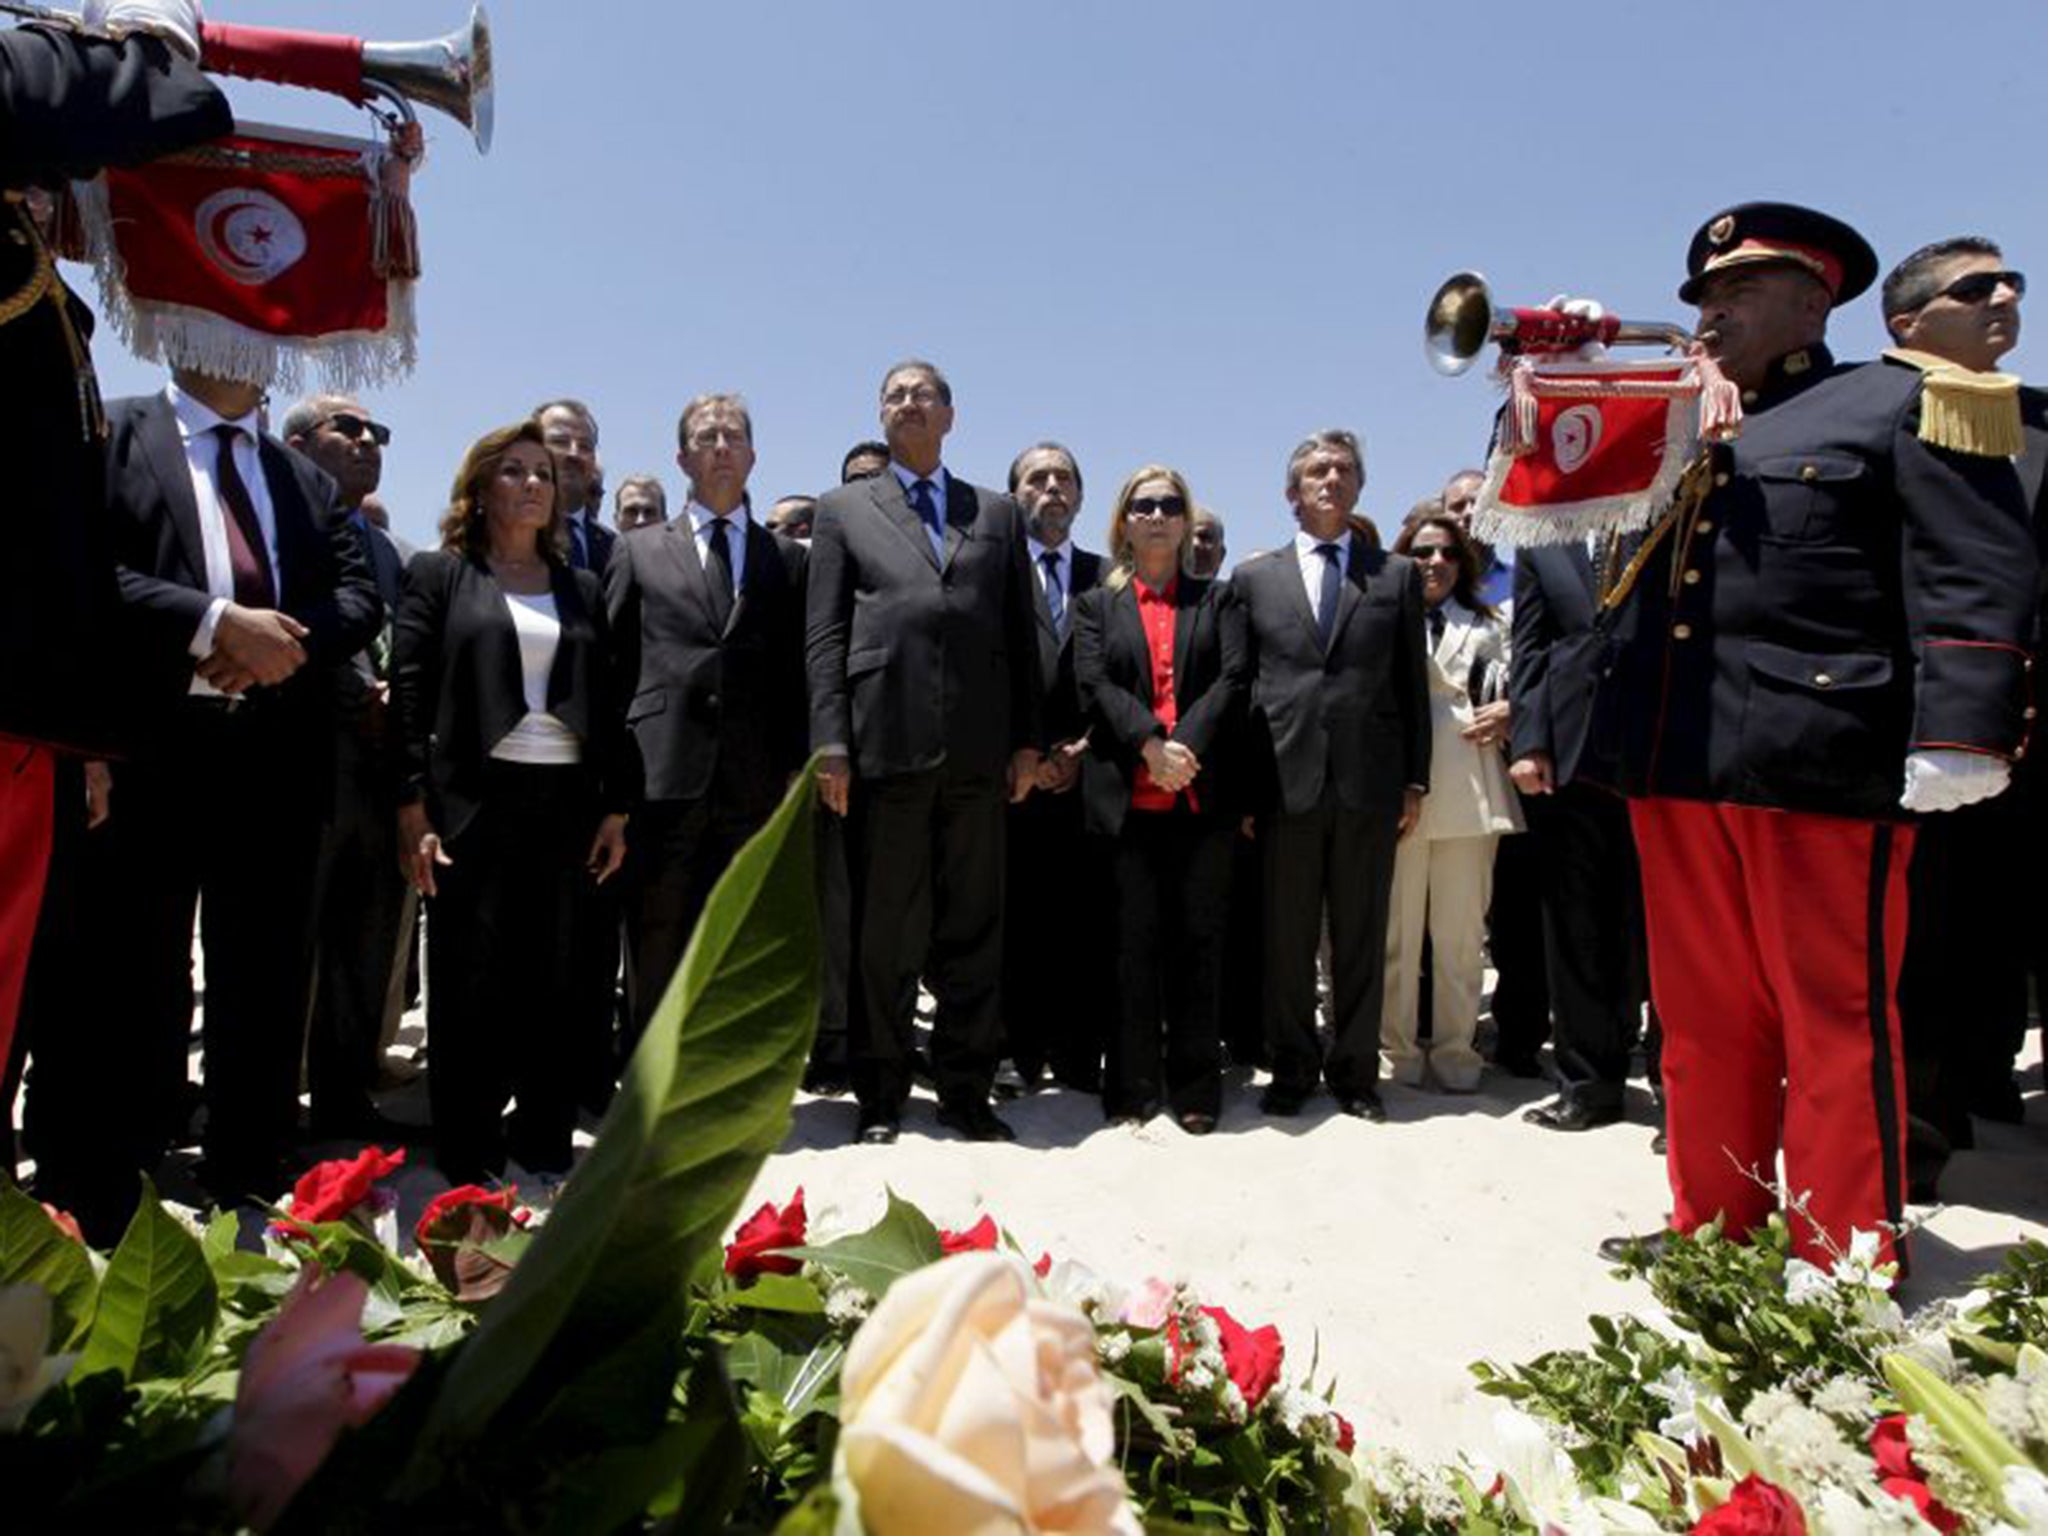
(977,1122)
(876,1130)
(1363,1106)
(1196,1123)
(1284,1102)
(1625,1248)
(1572,1115)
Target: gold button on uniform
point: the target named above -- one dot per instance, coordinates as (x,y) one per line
(1681,631)
(1704,525)
(1721,478)
(2029,713)
(1823,680)
(1808,473)
(1692,578)
(1749,397)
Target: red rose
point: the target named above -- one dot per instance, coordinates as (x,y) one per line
(1902,1477)
(453,1230)
(1346,1436)
(1755,1508)
(750,1252)
(329,1191)
(1251,1355)
(1043,1267)
(979,1238)
(64,1222)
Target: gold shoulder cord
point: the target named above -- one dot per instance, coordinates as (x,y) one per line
(1683,512)
(43,285)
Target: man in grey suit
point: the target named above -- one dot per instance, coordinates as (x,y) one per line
(1340,726)
(923,661)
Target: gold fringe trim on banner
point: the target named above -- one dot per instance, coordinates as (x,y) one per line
(1965,411)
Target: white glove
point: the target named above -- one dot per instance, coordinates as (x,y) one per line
(1589,309)
(1947,781)
(175,21)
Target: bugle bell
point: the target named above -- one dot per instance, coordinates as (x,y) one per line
(1462,319)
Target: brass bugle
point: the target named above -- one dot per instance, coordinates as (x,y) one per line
(451,74)
(1462,319)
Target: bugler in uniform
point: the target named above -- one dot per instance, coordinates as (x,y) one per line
(1827,633)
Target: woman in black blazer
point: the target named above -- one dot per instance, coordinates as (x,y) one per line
(506,730)
(1159,657)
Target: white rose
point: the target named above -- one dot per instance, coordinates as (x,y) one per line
(970,1406)
(26,1373)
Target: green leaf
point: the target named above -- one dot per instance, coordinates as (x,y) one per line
(779,1293)
(801,1383)
(903,1241)
(34,1250)
(157,1303)
(705,1099)
(1963,1426)
(817,1515)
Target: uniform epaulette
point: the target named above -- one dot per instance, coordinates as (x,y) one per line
(1963,410)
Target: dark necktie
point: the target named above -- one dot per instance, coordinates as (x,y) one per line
(579,543)
(1055,595)
(249,560)
(927,508)
(720,572)
(1436,626)
(1326,602)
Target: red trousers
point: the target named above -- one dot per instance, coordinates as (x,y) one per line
(1775,939)
(28,804)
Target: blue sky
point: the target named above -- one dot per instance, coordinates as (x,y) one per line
(1189,232)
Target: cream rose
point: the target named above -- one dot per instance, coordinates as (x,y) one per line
(973,1407)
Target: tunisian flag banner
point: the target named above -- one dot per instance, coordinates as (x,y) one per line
(1591,448)
(254,255)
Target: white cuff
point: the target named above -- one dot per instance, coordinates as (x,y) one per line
(202,637)
(1942,779)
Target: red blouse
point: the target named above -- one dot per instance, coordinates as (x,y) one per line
(1155,614)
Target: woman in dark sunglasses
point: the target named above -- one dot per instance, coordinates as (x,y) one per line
(1159,657)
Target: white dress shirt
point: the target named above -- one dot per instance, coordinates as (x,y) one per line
(537,736)
(701,519)
(938,479)
(1305,546)
(196,422)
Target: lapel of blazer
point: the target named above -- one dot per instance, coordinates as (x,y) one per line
(764,567)
(474,587)
(961,510)
(1187,615)
(1351,590)
(887,491)
(1130,626)
(680,538)
(576,632)
(165,447)
(1286,562)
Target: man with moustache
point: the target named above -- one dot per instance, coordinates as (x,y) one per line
(707,621)
(640,502)
(362,893)
(1976,911)
(1340,722)
(1828,627)
(1055,980)
(925,691)
(1206,547)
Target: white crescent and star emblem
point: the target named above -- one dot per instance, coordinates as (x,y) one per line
(1574,436)
(248,234)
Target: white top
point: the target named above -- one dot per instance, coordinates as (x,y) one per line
(701,519)
(938,479)
(538,737)
(1469,793)
(1305,547)
(202,457)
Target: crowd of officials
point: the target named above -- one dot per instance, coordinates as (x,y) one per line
(1125,817)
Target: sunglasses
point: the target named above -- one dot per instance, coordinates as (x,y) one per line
(1442,552)
(1157,506)
(1976,287)
(353,427)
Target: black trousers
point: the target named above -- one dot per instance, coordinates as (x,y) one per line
(678,850)
(361,906)
(1173,897)
(598,948)
(1593,937)
(1059,973)
(1514,928)
(1344,859)
(227,820)
(501,976)
(830,1048)
(926,854)
(1244,956)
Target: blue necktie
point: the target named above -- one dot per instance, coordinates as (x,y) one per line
(579,544)
(1055,596)
(1326,603)
(928,511)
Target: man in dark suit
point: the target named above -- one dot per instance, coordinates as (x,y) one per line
(245,593)
(707,622)
(925,703)
(569,428)
(1340,721)
(1591,891)
(362,893)
(1058,978)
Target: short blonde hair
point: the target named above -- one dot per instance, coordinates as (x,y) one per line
(1119,515)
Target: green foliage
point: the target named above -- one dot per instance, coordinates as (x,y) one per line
(34,1251)
(2015,1310)
(904,1240)
(1600,1392)
(157,1301)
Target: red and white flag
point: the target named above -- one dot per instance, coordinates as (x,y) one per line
(1589,448)
(255,255)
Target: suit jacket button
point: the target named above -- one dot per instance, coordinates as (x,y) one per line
(1823,680)
(1704,525)
(1681,631)
(1809,473)
(711,701)
(2029,712)
(1692,578)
